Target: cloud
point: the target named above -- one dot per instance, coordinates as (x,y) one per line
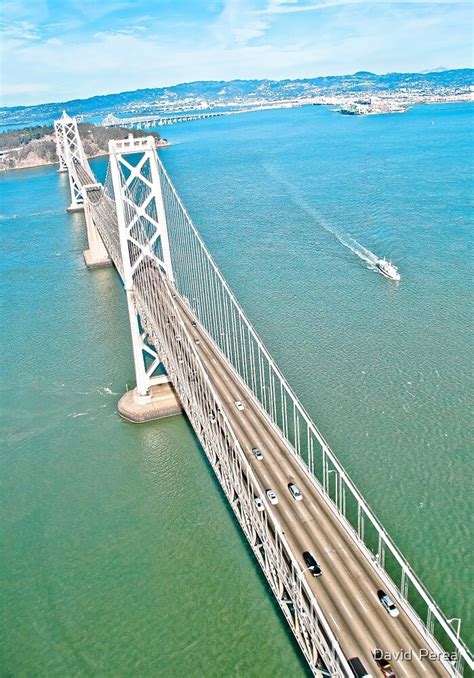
(293,6)
(242,39)
(23,31)
(238,24)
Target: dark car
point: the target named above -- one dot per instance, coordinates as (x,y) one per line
(311,564)
(358,669)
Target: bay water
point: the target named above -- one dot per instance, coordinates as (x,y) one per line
(120,555)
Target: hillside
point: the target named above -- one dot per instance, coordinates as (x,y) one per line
(35,146)
(210,94)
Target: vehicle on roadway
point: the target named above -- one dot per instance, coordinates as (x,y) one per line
(257,454)
(259,504)
(194,323)
(383,664)
(312,564)
(196,340)
(180,359)
(212,418)
(272,497)
(239,405)
(358,669)
(178,338)
(295,492)
(388,604)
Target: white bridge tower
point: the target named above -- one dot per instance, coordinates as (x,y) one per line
(144,244)
(70,151)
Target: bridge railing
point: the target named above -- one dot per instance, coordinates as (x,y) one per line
(201,283)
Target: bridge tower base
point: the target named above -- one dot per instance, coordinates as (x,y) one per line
(96,256)
(160,402)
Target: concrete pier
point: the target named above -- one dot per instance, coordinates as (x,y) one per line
(162,402)
(92,261)
(96,256)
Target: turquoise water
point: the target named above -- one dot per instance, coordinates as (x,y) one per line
(120,554)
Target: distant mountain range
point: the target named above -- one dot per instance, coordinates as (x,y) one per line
(209,94)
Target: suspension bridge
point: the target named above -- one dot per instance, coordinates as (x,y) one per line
(191,336)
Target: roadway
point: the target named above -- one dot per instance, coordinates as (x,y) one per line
(347,589)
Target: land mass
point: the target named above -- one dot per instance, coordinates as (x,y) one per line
(36,146)
(361,92)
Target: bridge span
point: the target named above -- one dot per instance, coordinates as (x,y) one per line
(184,316)
(158,120)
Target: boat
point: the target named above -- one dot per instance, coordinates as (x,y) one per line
(387,269)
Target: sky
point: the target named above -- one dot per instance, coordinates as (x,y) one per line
(57,50)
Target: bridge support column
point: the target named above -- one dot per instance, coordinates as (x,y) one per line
(153,397)
(96,256)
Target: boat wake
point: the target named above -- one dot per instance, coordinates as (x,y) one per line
(346,240)
(355,247)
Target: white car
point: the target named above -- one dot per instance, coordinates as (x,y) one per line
(272,497)
(257,454)
(259,504)
(178,338)
(212,418)
(196,340)
(295,492)
(388,604)
(239,405)
(180,360)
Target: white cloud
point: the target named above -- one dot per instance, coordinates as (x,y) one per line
(241,42)
(23,31)
(238,24)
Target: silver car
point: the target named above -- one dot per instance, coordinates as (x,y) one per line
(388,604)
(295,493)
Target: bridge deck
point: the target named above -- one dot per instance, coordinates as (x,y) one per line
(347,589)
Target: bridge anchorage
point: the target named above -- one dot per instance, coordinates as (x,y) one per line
(195,349)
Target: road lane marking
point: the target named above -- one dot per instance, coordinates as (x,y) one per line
(335,622)
(347,611)
(400,666)
(419,661)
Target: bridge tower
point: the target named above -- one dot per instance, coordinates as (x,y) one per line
(144,243)
(70,151)
(73,160)
(60,149)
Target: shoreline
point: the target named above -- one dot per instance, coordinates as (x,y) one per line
(164,143)
(56,162)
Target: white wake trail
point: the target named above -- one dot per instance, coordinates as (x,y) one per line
(346,240)
(355,247)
